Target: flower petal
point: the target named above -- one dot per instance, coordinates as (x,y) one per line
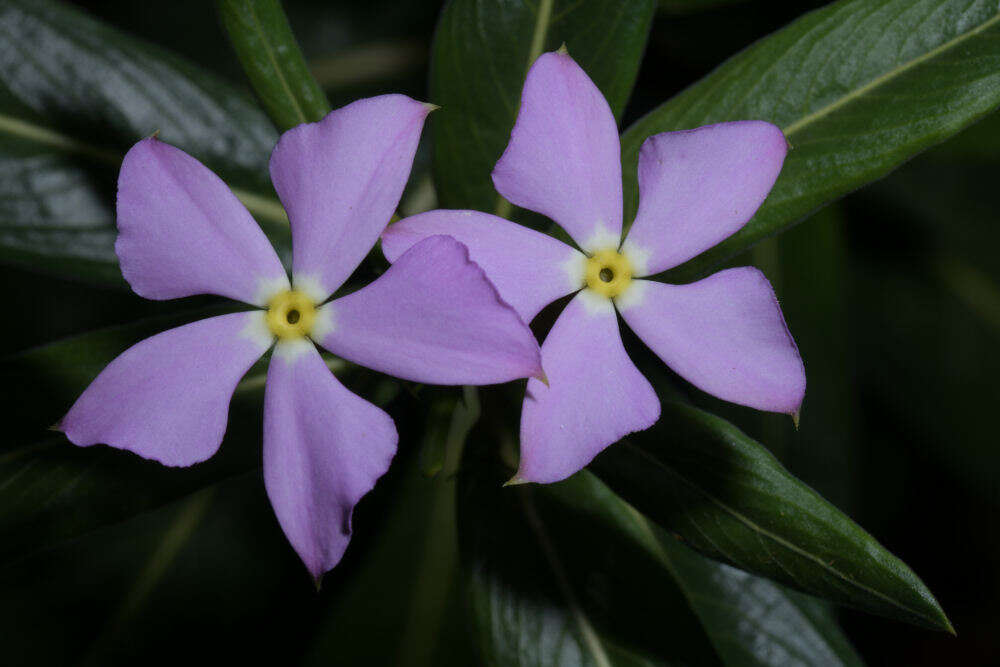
(725,335)
(564,158)
(698,187)
(595,396)
(183,232)
(340,180)
(529,269)
(433,317)
(324,448)
(167,397)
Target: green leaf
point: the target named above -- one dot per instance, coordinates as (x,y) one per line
(139,592)
(547,584)
(750,620)
(175,538)
(482,50)
(814,284)
(112,571)
(273,61)
(451,420)
(698,476)
(858,87)
(693,6)
(404,592)
(74,96)
(979,143)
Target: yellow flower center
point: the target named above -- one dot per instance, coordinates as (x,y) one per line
(291,315)
(608,272)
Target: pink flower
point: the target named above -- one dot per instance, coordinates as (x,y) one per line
(432,317)
(725,334)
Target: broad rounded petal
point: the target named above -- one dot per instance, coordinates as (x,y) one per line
(529,269)
(564,158)
(433,317)
(595,396)
(167,398)
(181,231)
(324,448)
(725,335)
(698,187)
(340,180)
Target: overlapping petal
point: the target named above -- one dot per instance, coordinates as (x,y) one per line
(324,448)
(340,180)
(595,396)
(433,317)
(698,187)
(529,269)
(724,334)
(563,159)
(167,398)
(183,232)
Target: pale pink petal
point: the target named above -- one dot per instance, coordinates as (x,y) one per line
(698,187)
(564,158)
(529,269)
(595,396)
(167,398)
(324,448)
(725,335)
(183,232)
(432,317)
(340,180)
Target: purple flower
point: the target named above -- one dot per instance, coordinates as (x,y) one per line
(432,317)
(725,334)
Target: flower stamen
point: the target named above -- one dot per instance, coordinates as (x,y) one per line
(608,272)
(291,315)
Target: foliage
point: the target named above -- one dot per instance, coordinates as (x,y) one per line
(718,537)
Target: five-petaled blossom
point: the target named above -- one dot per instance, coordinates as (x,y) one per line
(725,334)
(432,317)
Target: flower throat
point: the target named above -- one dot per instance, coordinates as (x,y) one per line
(608,272)
(291,315)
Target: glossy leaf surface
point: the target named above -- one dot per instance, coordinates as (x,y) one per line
(548,584)
(699,477)
(750,620)
(74,96)
(858,87)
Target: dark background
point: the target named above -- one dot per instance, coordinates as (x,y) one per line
(893,295)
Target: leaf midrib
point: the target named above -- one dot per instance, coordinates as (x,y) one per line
(656,548)
(274,62)
(788,545)
(645,526)
(885,77)
(587,632)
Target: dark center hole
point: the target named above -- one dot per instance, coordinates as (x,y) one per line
(607,275)
(292,316)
